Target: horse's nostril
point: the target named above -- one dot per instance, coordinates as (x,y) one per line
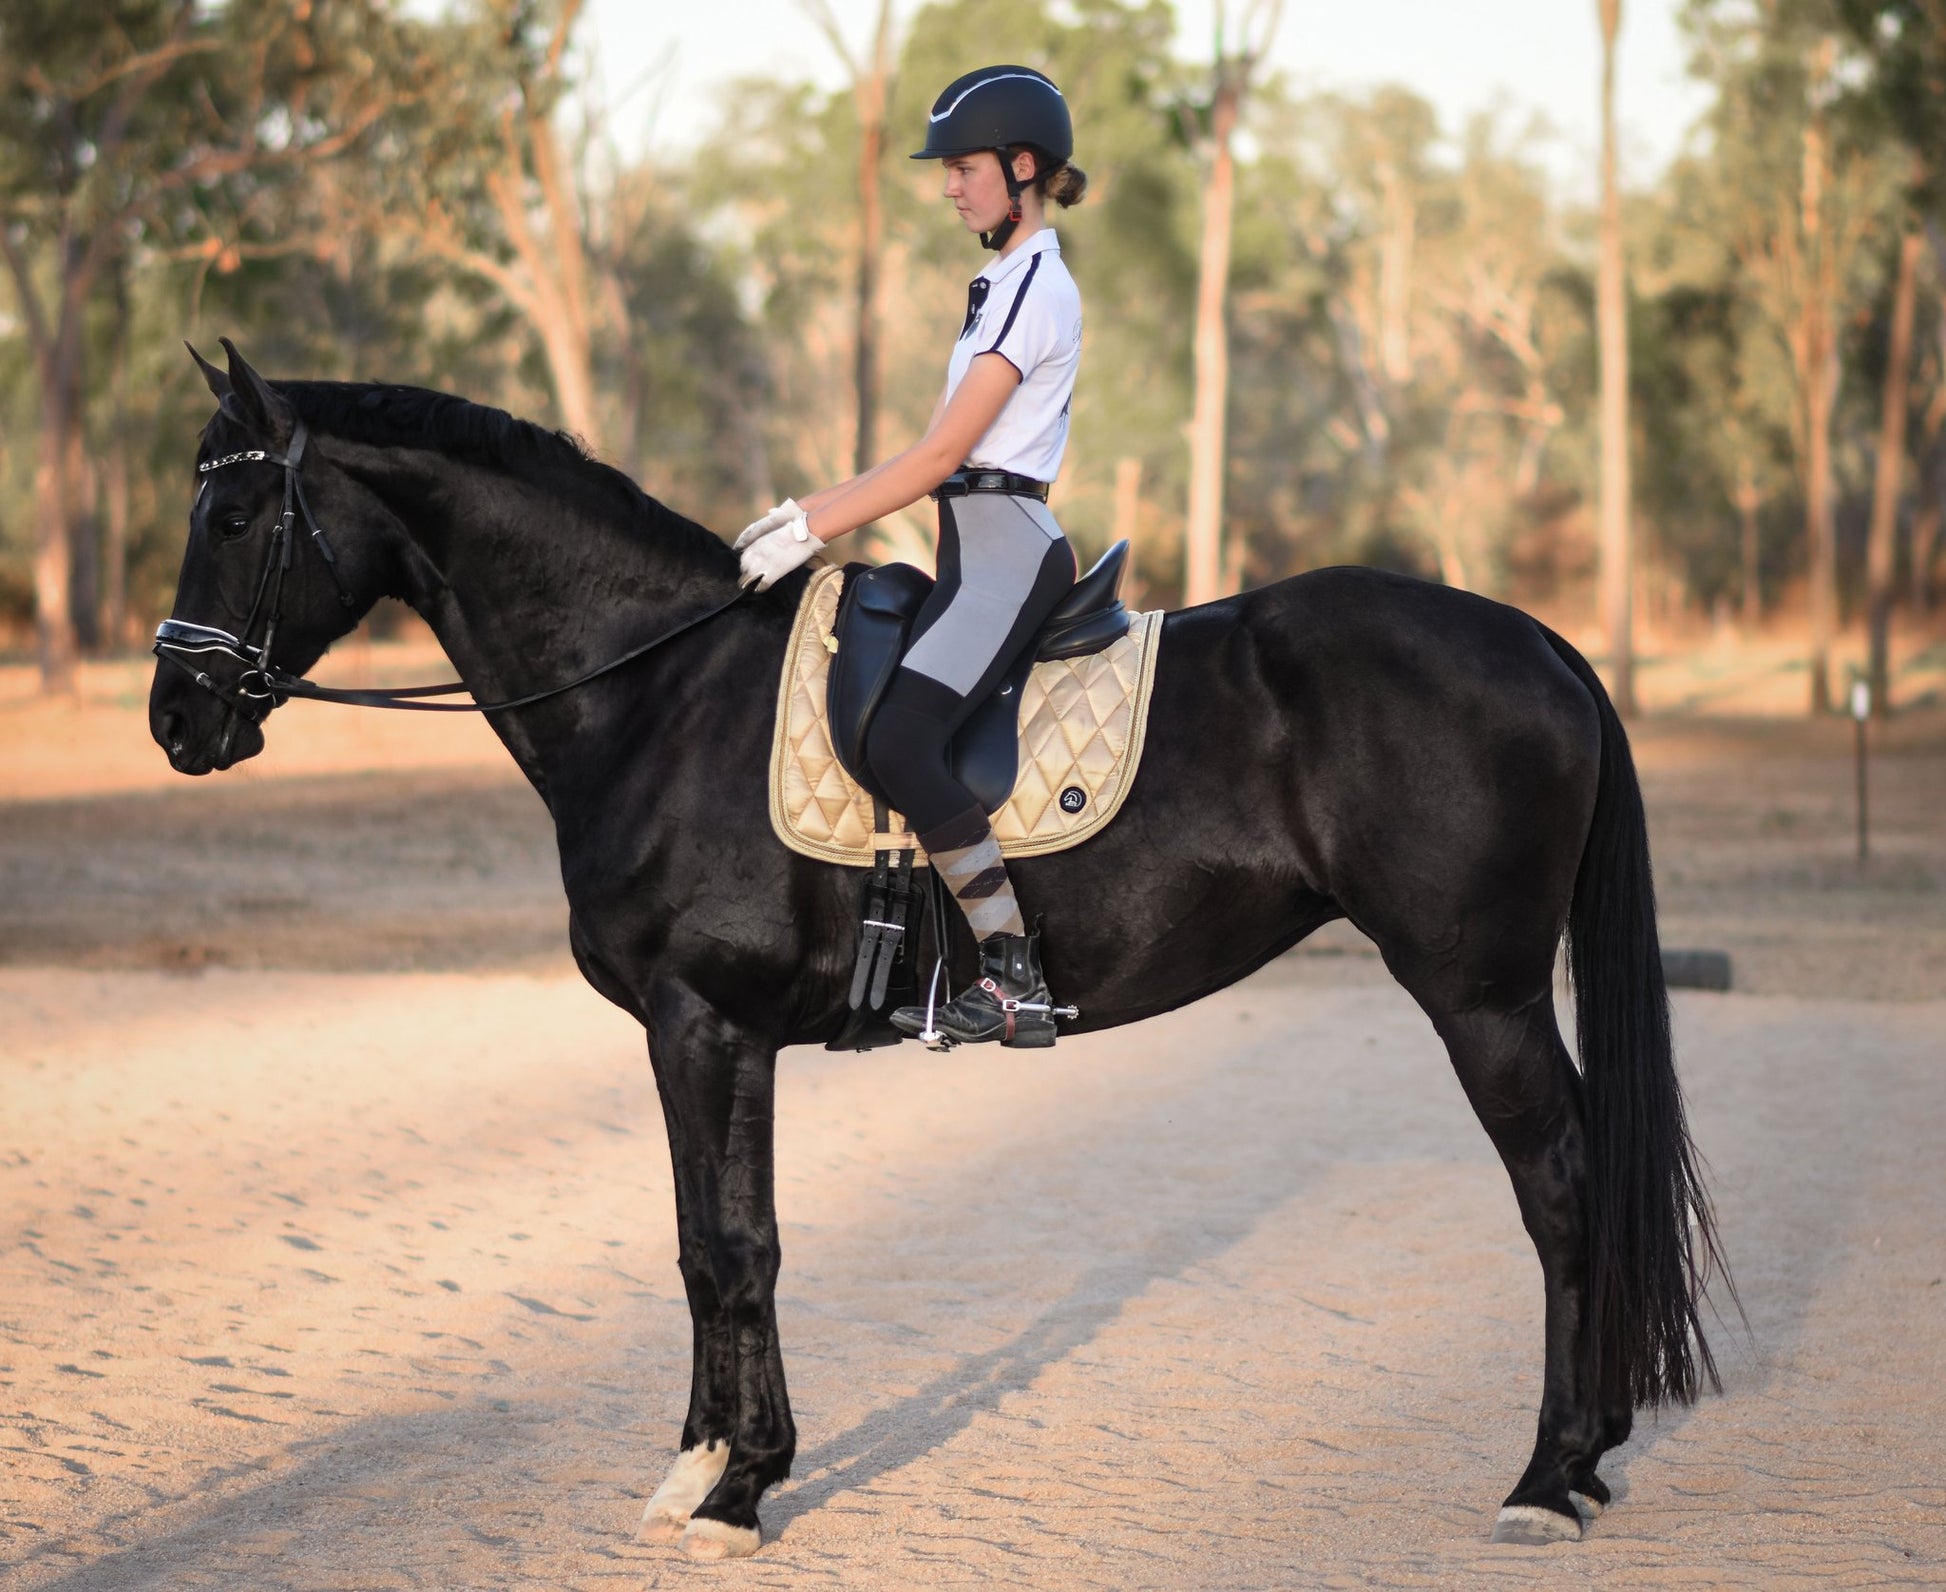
(173,739)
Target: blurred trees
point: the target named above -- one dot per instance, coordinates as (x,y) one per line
(1242,40)
(117,139)
(1611,315)
(1405,367)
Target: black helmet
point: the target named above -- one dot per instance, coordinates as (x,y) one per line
(996,108)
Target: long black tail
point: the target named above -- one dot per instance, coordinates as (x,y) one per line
(1652,1239)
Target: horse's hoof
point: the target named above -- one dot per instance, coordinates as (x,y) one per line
(688,1483)
(661,1526)
(1586,1505)
(718,1539)
(1534,1527)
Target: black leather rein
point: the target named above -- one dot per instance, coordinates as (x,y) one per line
(262,685)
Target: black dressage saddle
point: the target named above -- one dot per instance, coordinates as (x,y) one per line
(873,627)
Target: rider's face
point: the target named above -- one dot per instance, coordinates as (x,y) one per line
(978,190)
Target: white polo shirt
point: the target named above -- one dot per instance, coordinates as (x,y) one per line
(1029,312)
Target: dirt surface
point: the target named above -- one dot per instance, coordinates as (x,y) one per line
(336,1240)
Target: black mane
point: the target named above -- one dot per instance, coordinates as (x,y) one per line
(385,414)
(389,415)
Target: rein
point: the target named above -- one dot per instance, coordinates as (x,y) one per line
(263,686)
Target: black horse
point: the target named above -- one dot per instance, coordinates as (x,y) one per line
(1440,769)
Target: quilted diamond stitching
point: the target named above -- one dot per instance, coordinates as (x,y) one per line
(1080,719)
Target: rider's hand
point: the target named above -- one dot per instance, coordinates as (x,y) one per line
(783,514)
(775,553)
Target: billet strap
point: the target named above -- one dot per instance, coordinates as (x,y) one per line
(892,932)
(884,919)
(871,929)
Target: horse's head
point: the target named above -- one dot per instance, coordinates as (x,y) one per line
(261,587)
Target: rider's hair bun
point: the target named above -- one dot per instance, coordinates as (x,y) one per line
(1065,185)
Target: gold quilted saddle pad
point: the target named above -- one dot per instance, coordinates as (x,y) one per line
(1082,722)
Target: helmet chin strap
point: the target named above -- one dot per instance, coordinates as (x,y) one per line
(997,238)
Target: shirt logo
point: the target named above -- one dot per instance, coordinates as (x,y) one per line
(976,298)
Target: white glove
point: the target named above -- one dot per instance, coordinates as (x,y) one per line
(775,553)
(783,514)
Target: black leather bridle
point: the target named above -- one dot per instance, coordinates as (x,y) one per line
(262,685)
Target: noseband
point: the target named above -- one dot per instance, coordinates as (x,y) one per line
(261,685)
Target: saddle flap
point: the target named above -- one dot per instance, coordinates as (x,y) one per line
(875,616)
(986,749)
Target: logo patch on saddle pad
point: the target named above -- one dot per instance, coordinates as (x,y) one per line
(1082,723)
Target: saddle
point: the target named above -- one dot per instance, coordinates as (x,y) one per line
(1051,754)
(874,627)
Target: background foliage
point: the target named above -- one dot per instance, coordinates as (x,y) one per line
(1413,376)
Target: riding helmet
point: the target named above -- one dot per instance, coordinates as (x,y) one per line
(996,108)
(999,108)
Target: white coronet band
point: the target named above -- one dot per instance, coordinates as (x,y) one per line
(718,1539)
(1531,1525)
(688,1483)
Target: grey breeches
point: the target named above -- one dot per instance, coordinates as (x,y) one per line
(1003,567)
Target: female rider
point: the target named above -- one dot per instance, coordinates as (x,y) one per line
(995,441)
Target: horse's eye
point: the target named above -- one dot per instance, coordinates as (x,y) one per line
(234,528)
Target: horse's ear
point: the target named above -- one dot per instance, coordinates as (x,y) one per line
(219,381)
(257,403)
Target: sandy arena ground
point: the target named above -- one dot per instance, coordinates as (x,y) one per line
(336,1243)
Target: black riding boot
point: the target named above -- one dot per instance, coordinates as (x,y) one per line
(1010,1002)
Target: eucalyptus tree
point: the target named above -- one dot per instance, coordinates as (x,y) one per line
(476,171)
(1905,41)
(128,128)
(870,71)
(1803,187)
(1617,530)
(1244,31)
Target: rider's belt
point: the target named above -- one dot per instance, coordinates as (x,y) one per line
(961,482)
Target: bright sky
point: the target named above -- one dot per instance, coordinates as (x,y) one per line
(1463,55)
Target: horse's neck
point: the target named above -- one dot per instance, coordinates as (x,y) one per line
(529,583)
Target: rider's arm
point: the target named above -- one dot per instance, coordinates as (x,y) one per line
(906,477)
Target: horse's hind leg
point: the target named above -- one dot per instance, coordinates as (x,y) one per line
(738,1439)
(1517,1073)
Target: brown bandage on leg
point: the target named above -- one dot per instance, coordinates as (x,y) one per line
(967,859)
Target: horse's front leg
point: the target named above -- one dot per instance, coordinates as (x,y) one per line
(717,1083)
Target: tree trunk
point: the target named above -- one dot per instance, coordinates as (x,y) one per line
(1820,529)
(1203,563)
(869,94)
(570,363)
(114,596)
(1820,375)
(1617,553)
(1749,501)
(84,533)
(1885,485)
(1925,528)
(1932,472)
(53,552)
